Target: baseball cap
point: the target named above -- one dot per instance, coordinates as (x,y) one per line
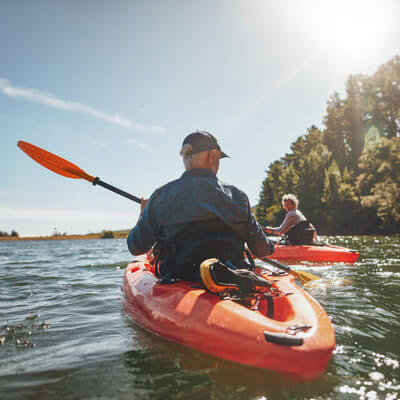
(203,141)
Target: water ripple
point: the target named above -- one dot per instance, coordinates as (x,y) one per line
(63,333)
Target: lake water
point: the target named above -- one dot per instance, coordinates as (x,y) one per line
(64,335)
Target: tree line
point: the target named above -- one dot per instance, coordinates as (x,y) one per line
(347,174)
(5,234)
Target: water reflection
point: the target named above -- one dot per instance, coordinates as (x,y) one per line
(174,371)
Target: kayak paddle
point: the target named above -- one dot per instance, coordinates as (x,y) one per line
(66,168)
(302,276)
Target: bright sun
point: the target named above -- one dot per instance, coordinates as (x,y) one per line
(348,26)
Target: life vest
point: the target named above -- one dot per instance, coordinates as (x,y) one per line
(180,257)
(301,233)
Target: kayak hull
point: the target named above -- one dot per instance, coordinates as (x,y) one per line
(187,314)
(315,253)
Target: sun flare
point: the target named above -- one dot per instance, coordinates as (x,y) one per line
(348,27)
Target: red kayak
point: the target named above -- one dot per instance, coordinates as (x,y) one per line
(314,253)
(283,329)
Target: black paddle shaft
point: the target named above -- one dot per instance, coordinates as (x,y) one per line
(276,264)
(99,182)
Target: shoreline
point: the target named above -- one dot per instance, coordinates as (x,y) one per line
(58,237)
(122,234)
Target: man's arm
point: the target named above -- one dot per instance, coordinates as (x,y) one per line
(257,241)
(143,236)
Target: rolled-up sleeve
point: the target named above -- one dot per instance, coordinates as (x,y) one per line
(143,236)
(257,241)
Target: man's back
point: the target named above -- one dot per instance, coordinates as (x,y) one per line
(197,196)
(197,215)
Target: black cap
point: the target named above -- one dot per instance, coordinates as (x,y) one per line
(202,141)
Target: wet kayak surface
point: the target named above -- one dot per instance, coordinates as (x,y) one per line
(64,334)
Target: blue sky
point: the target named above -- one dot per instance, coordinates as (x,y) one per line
(114,87)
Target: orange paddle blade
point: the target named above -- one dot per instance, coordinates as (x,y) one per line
(53,162)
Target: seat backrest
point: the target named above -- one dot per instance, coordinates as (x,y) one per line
(182,255)
(206,239)
(301,233)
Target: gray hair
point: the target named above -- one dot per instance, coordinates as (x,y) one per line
(187,155)
(186,151)
(190,158)
(290,197)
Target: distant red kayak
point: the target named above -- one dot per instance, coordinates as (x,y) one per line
(283,329)
(315,253)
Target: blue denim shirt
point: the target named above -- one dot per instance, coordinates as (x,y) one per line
(196,196)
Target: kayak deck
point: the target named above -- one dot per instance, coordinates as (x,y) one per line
(284,329)
(314,253)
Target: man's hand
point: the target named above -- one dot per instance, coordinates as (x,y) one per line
(143,203)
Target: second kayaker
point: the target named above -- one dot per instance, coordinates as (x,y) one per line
(197,217)
(295,225)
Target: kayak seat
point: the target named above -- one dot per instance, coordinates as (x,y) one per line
(302,233)
(218,277)
(179,257)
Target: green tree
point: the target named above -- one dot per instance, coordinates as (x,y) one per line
(299,172)
(334,133)
(383,90)
(315,158)
(379,183)
(345,176)
(340,201)
(355,119)
(107,235)
(271,193)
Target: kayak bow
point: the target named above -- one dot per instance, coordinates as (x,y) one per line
(314,253)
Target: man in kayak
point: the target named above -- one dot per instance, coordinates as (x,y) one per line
(295,225)
(197,217)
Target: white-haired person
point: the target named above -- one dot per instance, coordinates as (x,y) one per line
(295,226)
(197,217)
